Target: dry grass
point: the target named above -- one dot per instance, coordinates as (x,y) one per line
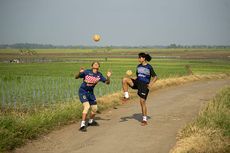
(113,99)
(181,80)
(204,140)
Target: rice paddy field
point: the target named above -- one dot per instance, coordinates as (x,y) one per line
(45,77)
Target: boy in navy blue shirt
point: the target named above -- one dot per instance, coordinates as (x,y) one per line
(90,78)
(144,73)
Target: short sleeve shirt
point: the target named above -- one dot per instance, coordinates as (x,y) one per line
(90,79)
(144,73)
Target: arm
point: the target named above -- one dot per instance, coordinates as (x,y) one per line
(154,76)
(152,81)
(108,77)
(78,74)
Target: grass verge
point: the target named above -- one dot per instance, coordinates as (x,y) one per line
(210,132)
(17,128)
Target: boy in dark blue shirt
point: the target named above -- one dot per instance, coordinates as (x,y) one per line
(90,78)
(144,73)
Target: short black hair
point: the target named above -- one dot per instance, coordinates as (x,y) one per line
(144,55)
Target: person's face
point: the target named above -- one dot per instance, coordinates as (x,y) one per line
(141,59)
(95,66)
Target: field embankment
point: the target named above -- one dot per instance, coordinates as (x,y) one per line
(210,132)
(79,55)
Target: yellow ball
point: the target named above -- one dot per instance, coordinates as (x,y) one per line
(129,72)
(96,37)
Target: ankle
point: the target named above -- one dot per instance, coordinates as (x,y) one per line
(90,121)
(82,123)
(144,118)
(126,94)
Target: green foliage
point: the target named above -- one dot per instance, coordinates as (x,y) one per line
(10,132)
(15,129)
(24,86)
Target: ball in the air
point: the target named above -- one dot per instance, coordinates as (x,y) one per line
(129,72)
(96,37)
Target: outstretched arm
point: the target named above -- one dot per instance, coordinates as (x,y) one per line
(108,77)
(77,75)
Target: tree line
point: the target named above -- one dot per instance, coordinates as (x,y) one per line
(50,46)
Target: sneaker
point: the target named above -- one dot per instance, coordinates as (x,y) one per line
(94,123)
(83,129)
(143,123)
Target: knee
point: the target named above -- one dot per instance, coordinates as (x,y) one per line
(86,107)
(94,109)
(142,102)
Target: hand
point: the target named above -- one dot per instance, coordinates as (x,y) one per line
(109,73)
(148,85)
(81,70)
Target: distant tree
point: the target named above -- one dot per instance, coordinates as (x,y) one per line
(172,46)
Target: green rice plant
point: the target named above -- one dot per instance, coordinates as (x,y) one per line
(24,86)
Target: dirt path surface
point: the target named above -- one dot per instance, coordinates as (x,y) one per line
(120,131)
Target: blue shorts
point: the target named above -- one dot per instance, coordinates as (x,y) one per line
(87,96)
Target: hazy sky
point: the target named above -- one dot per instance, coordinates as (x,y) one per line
(119,22)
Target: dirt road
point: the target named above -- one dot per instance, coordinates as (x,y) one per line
(169,110)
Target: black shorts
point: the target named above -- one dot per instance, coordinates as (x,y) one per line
(142,88)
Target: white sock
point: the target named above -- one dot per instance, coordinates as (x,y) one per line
(90,121)
(126,95)
(144,118)
(82,123)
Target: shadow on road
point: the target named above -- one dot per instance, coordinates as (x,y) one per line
(136,116)
(104,119)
